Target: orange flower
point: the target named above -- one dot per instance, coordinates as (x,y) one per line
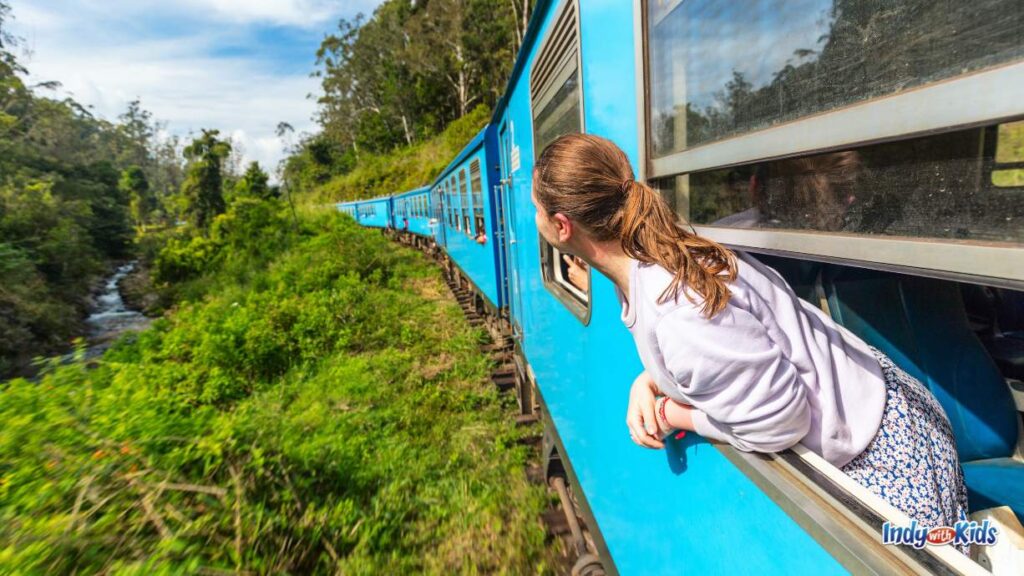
(98,454)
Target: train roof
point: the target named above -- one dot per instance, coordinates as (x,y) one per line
(419,190)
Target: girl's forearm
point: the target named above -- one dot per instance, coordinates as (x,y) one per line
(679,416)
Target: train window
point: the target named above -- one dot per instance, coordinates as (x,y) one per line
(464,198)
(1008,171)
(556,100)
(476,185)
(933,187)
(718,69)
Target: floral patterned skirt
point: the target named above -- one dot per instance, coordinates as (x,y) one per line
(912,462)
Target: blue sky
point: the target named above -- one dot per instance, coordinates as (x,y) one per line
(240,66)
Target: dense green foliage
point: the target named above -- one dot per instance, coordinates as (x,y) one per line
(63,213)
(400,78)
(379,174)
(322,408)
(78,193)
(311,402)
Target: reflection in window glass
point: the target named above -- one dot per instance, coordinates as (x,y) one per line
(724,68)
(561,115)
(1009,168)
(934,187)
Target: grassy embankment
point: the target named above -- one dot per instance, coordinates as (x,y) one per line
(403,169)
(315,403)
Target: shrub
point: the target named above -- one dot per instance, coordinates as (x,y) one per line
(329,415)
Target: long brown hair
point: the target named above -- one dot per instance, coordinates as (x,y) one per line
(588,179)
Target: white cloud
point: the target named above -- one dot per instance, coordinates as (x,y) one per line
(303,13)
(108,53)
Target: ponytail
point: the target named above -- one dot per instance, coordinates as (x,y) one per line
(652,233)
(589,179)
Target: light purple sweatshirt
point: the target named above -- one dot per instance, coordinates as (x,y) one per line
(767,372)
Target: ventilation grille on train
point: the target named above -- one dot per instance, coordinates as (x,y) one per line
(559,51)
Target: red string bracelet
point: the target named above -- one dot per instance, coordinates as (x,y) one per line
(661,412)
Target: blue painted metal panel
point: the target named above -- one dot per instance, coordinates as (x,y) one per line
(683,510)
(348,208)
(375,213)
(419,223)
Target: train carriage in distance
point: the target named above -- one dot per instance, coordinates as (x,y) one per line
(871,152)
(373,213)
(347,208)
(411,212)
(468,214)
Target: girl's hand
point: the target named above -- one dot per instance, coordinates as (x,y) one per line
(640,415)
(577,271)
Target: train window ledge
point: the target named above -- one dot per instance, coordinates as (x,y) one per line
(846,518)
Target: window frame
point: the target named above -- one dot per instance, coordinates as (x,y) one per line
(554,70)
(995,94)
(797,480)
(476,190)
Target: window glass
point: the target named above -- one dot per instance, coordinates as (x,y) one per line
(561,115)
(723,68)
(933,187)
(555,269)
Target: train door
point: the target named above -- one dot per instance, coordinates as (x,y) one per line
(512,286)
(501,242)
(440,233)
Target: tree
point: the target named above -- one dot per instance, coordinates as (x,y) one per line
(254,184)
(202,189)
(138,130)
(414,67)
(135,185)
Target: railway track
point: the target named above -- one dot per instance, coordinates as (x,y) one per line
(562,521)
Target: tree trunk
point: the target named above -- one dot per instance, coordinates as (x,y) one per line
(463,88)
(405,126)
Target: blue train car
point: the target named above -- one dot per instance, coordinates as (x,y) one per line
(467,215)
(894,205)
(347,208)
(375,213)
(654,512)
(411,212)
(646,75)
